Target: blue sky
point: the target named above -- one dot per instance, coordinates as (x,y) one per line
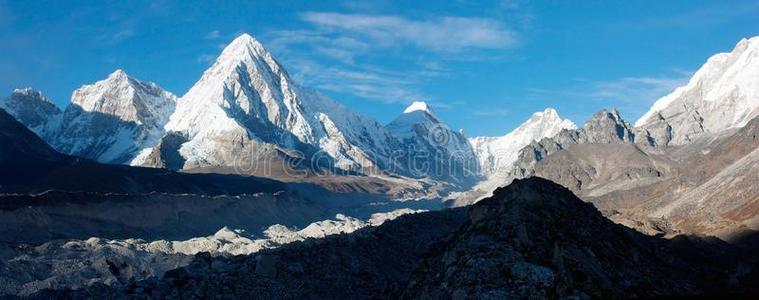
(484,66)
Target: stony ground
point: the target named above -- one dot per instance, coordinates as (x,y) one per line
(532,239)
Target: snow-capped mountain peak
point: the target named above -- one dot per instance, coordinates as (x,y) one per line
(243,52)
(33,109)
(425,138)
(418,106)
(127,99)
(118,74)
(130,115)
(417,114)
(32,94)
(497,154)
(242,47)
(546,123)
(244,80)
(722,94)
(246,96)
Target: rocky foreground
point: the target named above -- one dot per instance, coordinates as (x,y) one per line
(532,239)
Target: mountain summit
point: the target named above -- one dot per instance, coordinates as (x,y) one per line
(113,119)
(246,106)
(496,154)
(722,94)
(35,110)
(433,150)
(418,106)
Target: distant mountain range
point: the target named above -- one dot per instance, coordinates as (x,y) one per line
(247,154)
(246,108)
(247,116)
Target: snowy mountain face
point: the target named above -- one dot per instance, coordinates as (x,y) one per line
(34,110)
(431,148)
(723,94)
(246,109)
(497,154)
(247,101)
(113,119)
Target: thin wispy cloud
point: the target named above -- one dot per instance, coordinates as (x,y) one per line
(438,34)
(631,95)
(350,53)
(213,35)
(375,84)
(121,35)
(639,92)
(205,58)
(492,113)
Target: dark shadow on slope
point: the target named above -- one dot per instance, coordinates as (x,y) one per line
(49,195)
(258,124)
(29,165)
(91,134)
(532,239)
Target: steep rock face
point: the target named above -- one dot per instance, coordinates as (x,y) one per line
(592,170)
(34,110)
(607,127)
(722,94)
(113,119)
(432,149)
(604,127)
(247,101)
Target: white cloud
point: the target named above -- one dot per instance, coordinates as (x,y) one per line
(384,57)
(213,34)
(205,58)
(631,95)
(122,35)
(365,81)
(439,34)
(638,91)
(492,113)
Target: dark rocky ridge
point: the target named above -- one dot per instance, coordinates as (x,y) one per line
(532,239)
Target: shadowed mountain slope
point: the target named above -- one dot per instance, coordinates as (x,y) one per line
(532,239)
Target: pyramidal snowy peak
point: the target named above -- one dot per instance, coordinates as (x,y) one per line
(418,106)
(113,119)
(497,154)
(437,151)
(33,109)
(247,103)
(418,113)
(245,81)
(722,94)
